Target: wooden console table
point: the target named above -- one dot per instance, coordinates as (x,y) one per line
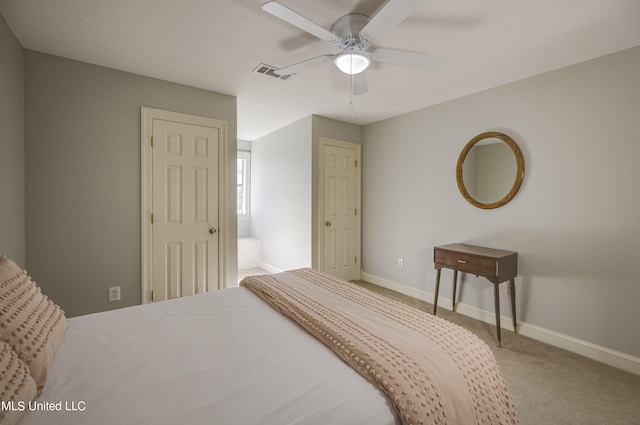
(495,265)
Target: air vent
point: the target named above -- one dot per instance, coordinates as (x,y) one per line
(271,71)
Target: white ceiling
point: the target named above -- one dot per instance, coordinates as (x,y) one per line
(216,44)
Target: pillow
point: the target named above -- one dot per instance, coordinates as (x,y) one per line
(29,322)
(17,387)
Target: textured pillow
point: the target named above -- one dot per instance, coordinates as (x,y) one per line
(29,322)
(17,387)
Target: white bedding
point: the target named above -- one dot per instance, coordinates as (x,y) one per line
(219,358)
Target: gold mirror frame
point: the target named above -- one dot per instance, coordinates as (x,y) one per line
(519,170)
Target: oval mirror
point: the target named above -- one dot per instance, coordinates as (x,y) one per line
(490,170)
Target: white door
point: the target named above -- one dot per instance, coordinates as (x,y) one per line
(340,215)
(185,209)
(183,187)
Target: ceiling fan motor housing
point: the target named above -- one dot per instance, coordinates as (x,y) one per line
(348,28)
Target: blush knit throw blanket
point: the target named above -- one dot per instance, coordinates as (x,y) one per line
(432,371)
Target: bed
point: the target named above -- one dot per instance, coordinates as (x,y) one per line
(261,354)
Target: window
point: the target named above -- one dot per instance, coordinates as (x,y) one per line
(244,167)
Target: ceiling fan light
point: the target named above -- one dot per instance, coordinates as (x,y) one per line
(352,62)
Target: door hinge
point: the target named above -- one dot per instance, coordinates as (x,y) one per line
(355,211)
(356,164)
(355,260)
(151,141)
(151,295)
(152,218)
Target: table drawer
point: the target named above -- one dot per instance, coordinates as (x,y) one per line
(468,263)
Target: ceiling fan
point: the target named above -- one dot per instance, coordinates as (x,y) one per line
(353,34)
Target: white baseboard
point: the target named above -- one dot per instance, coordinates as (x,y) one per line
(269,268)
(585,348)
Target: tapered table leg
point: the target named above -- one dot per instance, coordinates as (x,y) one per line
(435,296)
(496,296)
(455,283)
(512,289)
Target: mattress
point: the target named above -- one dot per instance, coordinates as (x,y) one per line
(219,358)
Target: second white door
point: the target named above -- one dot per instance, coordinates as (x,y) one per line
(340,218)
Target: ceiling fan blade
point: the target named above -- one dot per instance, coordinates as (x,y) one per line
(391,14)
(296,67)
(407,59)
(297,20)
(359,84)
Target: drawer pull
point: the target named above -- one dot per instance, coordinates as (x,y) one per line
(461,261)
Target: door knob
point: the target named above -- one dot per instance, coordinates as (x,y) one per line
(212,230)
(327,223)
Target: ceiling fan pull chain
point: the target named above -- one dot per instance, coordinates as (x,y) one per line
(351,77)
(351,95)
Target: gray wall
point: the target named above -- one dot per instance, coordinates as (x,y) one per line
(575,221)
(12,227)
(82,135)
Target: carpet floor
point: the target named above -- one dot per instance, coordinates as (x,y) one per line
(550,385)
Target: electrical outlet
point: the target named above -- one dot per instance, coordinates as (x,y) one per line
(114,293)
(400,263)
